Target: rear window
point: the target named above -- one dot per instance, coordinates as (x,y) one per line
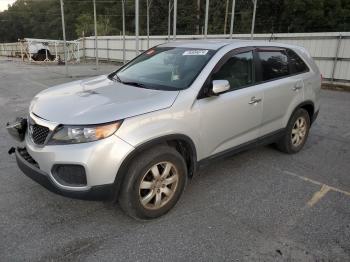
(297,65)
(274,64)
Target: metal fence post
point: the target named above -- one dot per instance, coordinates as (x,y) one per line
(96,47)
(84,48)
(64,38)
(198,11)
(170,7)
(149,3)
(107,49)
(22,54)
(206,18)
(174,22)
(232,17)
(336,57)
(78,49)
(253,20)
(137,27)
(123,15)
(226,13)
(68,53)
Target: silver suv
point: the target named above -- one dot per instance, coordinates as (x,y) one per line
(138,134)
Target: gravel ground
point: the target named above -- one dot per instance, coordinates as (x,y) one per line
(257,205)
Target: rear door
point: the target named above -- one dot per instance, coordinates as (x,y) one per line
(234,117)
(281,87)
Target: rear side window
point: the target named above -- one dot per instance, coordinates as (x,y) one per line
(274,64)
(297,65)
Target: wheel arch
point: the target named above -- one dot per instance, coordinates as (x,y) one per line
(43,51)
(308,105)
(182,143)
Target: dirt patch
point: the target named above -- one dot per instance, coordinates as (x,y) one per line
(336,87)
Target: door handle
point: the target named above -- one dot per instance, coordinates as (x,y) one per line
(254,100)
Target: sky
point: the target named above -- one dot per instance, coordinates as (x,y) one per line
(4,3)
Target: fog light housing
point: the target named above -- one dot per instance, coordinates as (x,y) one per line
(69,175)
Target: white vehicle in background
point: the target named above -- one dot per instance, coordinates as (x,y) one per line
(48,50)
(40,51)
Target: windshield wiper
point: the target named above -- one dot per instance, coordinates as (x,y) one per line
(134,84)
(131,83)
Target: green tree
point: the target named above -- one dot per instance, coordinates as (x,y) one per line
(42,18)
(84,25)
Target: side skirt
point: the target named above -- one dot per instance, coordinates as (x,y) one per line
(261,141)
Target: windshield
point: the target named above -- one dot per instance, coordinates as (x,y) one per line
(165,68)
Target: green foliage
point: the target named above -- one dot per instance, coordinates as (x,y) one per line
(84,25)
(303,16)
(42,18)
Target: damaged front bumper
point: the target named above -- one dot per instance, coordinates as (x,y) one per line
(31,169)
(17,129)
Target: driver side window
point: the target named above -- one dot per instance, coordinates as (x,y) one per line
(238,70)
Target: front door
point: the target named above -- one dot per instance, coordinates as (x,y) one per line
(234,117)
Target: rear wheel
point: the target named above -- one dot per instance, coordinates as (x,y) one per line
(154,183)
(296,134)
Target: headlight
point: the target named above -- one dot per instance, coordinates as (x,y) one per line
(83,134)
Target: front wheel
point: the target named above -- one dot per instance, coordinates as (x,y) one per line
(154,183)
(296,134)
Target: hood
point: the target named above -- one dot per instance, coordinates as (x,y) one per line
(98,100)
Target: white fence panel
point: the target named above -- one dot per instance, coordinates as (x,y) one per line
(331,51)
(322,47)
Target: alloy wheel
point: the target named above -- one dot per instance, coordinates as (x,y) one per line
(158,185)
(299,131)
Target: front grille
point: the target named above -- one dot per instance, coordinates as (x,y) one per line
(38,133)
(24,153)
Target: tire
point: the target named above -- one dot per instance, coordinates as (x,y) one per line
(144,195)
(296,134)
(39,57)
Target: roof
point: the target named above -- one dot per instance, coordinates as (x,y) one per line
(215,44)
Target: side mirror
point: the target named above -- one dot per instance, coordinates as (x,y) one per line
(220,86)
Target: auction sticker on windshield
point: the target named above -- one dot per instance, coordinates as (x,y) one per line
(195,52)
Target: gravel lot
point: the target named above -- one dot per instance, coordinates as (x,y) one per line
(258,205)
